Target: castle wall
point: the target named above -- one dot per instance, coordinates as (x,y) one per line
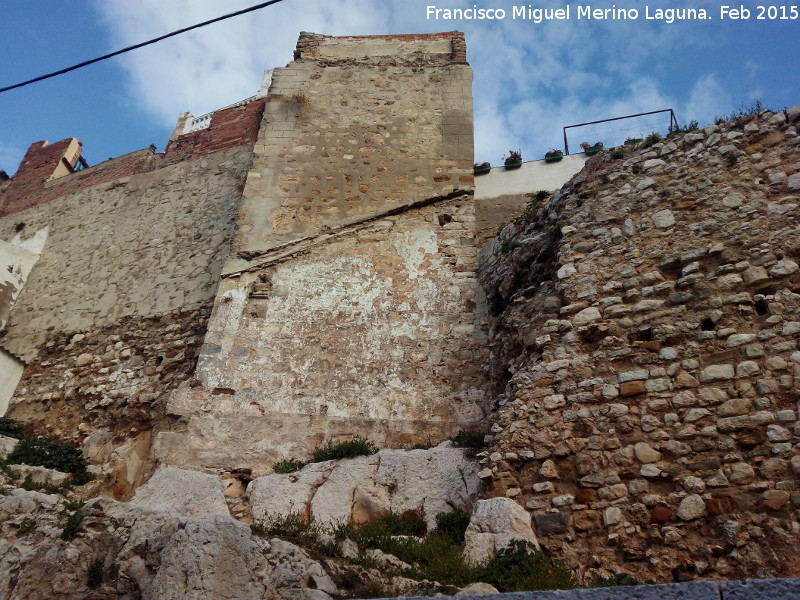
(349,134)
(645,347)
(111,316)
(349,305)
(375,332)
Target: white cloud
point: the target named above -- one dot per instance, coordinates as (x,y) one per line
(10,158)
(530,80)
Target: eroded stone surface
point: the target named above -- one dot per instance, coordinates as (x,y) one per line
(364,488)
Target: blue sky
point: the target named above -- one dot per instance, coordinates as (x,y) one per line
(530,79)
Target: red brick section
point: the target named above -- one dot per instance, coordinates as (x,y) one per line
(459,46)
(230,127)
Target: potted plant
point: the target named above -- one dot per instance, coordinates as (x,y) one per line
(481,168)
(513,160)
(553,155)
(632,141)
(589,150)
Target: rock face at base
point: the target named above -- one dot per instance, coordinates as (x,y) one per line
(493,525)
(158,555)
(191,493)
(367,487)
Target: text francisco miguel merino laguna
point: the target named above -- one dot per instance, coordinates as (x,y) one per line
(534,14)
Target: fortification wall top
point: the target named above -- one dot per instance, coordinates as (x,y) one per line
(33,184)
(444,48)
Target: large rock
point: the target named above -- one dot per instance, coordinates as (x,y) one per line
(217,557)
(367,487)
(160,555)
(190,493)
(494,524)
(7,445)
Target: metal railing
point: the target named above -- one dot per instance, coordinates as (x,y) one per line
(673,122)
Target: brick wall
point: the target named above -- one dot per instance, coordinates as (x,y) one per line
(231,127)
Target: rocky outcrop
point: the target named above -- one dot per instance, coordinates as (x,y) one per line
(190,493)
(140,553)
(494,524)
(645,351)
(364,488)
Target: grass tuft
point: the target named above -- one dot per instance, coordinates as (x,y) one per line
(358,446)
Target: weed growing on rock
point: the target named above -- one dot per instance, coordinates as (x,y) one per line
(358,446)
(95,575)
(12,474)
(290,465)
(453,525)
(11,428)
(521,567)
(46,487)
(422,446)
(650,140)
(469,439)
(298,529)
(51,453)
(754,108)
(27,527)
(72,527)
(617,154)
(73,505)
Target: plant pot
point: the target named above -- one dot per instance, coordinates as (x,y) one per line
(591,150)
(553,156)
(481,169)
(633,142)
(513,164)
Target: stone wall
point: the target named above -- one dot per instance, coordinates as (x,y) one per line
(112,315)
(373,332)
(349,305)
(646,346)
(140,245)
(353,128)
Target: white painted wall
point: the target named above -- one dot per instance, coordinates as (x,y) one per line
(530,177)
(10,373)
(16,261)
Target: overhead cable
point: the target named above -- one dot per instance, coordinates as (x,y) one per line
(137,46)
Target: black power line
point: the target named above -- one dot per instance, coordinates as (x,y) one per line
(136,46)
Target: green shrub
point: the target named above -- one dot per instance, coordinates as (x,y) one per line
(617,154)
(651,139)
(95,575)
(422,446)
(47,487)
(521,567)
(290,465)
(11,428)
(48,452)
(453,525)
(469,439)
(12,474)
(755,108)
(73,505)
(298,529)
(434,557)
(358,446)
(27,527)
(81,477)
(72,527)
